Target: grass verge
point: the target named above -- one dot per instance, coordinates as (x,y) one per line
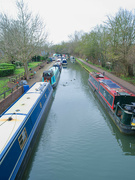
(4,80)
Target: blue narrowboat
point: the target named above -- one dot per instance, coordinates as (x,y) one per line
(20,125)
(52,76)
(119,102)
(64,62)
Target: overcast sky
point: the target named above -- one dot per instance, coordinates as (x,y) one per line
(64,17)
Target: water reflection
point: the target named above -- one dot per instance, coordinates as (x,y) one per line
(79,140)
(125,142)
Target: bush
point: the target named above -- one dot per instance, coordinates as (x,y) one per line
(18,63)
(6,69)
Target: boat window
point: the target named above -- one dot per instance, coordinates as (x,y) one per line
(22,138)
(47,74)
(93,81)
(106,95)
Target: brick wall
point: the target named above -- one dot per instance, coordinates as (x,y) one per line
(5,103)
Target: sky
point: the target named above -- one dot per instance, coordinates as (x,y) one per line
(64,17)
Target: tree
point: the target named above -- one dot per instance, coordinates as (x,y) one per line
(26,35)
(7,36)
(131,60)
(74,42)
(122,32)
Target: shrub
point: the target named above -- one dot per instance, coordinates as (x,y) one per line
(6,69)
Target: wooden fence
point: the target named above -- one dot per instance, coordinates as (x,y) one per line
(10,90)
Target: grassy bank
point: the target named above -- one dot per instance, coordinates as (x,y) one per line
(4,80)
(128,79)
(21,70)
(87,68)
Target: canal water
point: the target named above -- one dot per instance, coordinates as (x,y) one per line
(79,141)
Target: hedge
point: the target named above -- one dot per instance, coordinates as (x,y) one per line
(6,69)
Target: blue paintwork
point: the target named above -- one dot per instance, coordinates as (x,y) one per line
(54,76)
(13,159)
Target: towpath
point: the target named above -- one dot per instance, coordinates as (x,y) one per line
(121,82)
(39,73)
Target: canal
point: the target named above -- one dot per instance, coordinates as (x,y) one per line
(79,141)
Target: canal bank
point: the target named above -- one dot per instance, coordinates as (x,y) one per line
(121,82)
(38,76)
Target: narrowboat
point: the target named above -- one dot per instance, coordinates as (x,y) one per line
(64,62)
(72,59)
(59,65)
(52,76)
(119,102)
(20,125)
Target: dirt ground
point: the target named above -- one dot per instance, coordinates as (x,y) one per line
(121,82)
(38,75)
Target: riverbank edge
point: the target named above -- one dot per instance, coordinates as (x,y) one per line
(119,81)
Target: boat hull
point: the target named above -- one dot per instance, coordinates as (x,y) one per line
(56,82)
(123,128)
(35,137)
(14,159)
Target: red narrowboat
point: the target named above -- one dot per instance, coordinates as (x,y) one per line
(119,102)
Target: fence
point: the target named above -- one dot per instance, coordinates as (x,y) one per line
(5,103)
(10,90)
(17,78)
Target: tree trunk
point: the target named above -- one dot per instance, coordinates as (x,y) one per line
(26,74)
(130,70)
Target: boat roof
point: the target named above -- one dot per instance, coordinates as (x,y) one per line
(12,119)
(111,86)
(48,71)
(54,68)
(56,64)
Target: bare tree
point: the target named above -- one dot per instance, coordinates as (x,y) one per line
(122,33)
(23,37)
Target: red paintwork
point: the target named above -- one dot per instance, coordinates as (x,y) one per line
(47,79)
(112,91)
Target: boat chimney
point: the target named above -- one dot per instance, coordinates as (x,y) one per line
(103,73)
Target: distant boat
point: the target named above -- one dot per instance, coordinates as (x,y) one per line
(52,76)
(119,102)
(20,125)
(72,60)
(64,62)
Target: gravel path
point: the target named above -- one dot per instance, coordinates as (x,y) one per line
(121,82)
(38,75)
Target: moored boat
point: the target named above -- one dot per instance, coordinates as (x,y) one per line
(72,59)
(52,76)
(59,65)
(119,102)
(64,62)
(20,125)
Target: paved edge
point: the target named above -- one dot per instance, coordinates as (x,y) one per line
(121,82)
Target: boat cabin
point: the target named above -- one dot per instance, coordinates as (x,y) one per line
(120,100)
(52,76)
(110,91)
(47,75)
